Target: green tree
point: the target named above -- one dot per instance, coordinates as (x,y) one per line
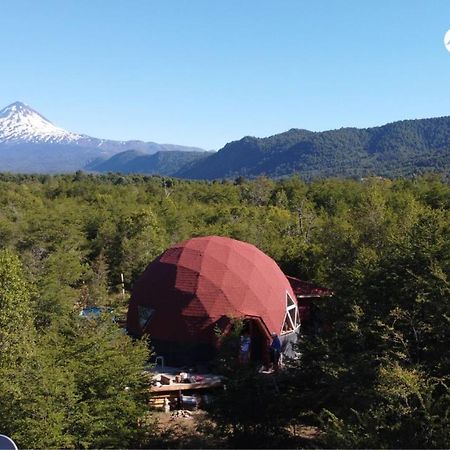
(111,385)
(16,319)
(58,285)
(409,410)
(17,341)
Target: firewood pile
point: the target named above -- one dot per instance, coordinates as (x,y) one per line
(181,414)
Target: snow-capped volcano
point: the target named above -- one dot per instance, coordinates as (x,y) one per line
(21,123)
(31,143)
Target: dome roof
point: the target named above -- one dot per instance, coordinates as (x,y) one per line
(194,285)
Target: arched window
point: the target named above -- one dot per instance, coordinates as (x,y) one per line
(291,319)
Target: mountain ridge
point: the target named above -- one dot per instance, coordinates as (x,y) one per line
(134,161)
(401,148)
(31,143)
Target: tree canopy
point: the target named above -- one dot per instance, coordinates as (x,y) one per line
(376,375)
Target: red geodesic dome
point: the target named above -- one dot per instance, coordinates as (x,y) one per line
(195,285)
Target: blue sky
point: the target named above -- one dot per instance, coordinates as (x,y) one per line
(205,72)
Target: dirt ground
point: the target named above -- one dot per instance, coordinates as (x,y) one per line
(188,429)
(194,429)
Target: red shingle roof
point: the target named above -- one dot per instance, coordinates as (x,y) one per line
(307,289)
(194,284)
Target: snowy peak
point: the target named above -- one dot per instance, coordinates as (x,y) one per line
(31,143)
(16,108)
(21,123)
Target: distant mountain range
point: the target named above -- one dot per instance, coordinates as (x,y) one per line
(31,143)
(161,163)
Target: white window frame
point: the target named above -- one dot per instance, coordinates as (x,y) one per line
(290,306)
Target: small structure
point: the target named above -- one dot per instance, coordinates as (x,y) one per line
(307,295)
(198,287)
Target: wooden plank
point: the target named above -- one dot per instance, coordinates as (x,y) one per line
(186,386)
(157,404)
(158,400)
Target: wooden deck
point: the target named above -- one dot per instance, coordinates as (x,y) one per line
(206,384)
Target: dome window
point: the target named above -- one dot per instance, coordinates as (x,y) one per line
(291,319)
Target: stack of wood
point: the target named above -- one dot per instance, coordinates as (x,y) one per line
(181,413)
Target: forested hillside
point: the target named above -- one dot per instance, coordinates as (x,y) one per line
(403,148)
(160,163)
(377,375)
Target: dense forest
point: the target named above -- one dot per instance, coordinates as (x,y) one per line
(377,375)
(398,149)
